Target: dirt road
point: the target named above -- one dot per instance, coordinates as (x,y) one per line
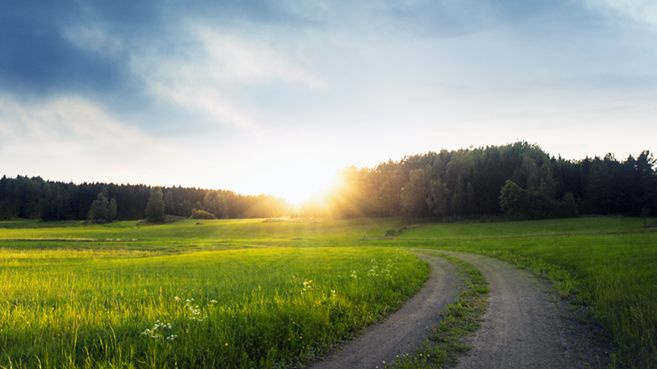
(405,330)
(526,325)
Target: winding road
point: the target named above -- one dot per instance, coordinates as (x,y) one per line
(405,330)
(526,326)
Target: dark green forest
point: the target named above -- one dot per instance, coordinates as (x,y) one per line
(517,180)
(25,197)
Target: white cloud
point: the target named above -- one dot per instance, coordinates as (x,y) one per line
(644,11)
(63,119)
(199,73)
(92,38)
(247,60)
(73,137)
(201,97)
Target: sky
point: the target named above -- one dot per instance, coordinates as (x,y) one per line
(277,96)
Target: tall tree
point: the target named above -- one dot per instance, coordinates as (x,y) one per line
(415,194)
(513,198)
(99,210)
(112,209)
(438,198)
(155,206)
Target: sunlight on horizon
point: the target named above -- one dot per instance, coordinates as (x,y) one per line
(301,189)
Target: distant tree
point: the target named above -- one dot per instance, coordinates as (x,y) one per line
(513,198)
(459,197)
(539,205)
(389,179)
(567,207)
(112,209)
(438,198)
(415,194)
(51,204)
(214,202)
(99,210)
(155,206)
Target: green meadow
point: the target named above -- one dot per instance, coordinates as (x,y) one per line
(245,308)
(275,293)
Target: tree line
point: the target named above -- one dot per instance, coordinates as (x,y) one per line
(519,180)
(36,198)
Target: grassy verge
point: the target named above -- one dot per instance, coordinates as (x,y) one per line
(461,319)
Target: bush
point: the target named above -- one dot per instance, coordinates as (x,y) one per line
(201,214)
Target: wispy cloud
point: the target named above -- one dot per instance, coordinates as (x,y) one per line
(93,38)
(63,119)
(200,73)
(74,137)
(643,11)
(249,60)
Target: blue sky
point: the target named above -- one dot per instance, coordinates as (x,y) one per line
(276,96)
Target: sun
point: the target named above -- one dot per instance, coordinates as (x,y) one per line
(301,187)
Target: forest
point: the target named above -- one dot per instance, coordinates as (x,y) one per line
(36,198)
(518,180)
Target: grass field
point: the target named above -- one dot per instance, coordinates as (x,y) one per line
(190,235)
(246,308)
(101,287)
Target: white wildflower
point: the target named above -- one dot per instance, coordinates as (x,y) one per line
(194,310)
(158,331)
(307,285)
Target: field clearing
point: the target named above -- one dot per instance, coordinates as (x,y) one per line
(607,263)
(188,235)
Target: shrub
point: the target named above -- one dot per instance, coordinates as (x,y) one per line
(201,214)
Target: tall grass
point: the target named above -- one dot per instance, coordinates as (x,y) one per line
(608,263)
(252,308)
